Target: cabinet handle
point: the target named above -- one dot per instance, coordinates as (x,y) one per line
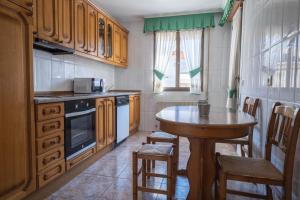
(52,158)
(55,171)
(50,111)
(51,143)
(50,127)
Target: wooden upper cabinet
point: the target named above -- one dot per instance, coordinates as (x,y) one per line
(101,139)
(47,15)
(124,48)
(110,40)
(117,44)
(66,23)
(110,120)
(17,149)
(92,30)
(81,26)
(102,35)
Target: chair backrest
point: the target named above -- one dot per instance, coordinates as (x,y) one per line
(250,106)
(283,132)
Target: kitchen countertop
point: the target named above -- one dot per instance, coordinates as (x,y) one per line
(40,99)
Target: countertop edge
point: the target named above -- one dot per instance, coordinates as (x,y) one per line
(45,100)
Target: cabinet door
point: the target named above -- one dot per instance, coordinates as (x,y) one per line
(110,40)
(66,23)
(110,120)
(100,124)
(17,149)
(92,31)
(47,12)
(117,44)
(102,35)
(136,111)
(131,113)
(124,48)
(81,26)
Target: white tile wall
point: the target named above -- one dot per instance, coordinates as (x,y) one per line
(139,74)
(273,25)
(56,72)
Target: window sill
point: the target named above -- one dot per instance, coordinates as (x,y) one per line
(179,96)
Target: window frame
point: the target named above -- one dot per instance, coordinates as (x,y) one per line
(177,87)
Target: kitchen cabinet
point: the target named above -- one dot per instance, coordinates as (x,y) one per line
(55,21)
(81,25)
(124,48)
(117,44)
(85,28)
(102,36)
(17,149)
(92,31)
(134,113)
(105,122)
(110,40)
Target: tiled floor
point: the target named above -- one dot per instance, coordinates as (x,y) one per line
(110,177)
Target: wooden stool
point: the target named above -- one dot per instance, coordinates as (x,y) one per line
(153,152)
(159,136)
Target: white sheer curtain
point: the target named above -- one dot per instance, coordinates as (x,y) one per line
(164,43)
(234,62)
(191,42)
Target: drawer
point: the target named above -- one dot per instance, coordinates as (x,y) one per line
(50,173)
(76,160)
(50,157)
(48,127)
(49,142)
(50,111)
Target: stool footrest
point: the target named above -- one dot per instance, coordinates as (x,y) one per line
(156,175)
(151,190)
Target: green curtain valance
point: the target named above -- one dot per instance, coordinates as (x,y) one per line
(158,74)
(195,71)
(195,21)
(232,93)
(226,12)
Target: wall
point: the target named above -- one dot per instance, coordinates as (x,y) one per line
(56,72)
(270,47)
(139,74)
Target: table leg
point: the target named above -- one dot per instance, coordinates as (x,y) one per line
(201,169)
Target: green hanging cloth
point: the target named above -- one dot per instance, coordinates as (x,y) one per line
(158,74)
(232,93)
(194,72)
(174,23)
(226,12)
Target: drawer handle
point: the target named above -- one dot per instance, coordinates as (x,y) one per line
(50,143)
(50,111)
(51,158)
(51,127)
(55,171)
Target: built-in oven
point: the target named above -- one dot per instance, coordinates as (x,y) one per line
(80,132)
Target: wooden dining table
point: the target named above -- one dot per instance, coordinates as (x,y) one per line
(202,133)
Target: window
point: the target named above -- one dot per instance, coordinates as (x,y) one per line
(178,60)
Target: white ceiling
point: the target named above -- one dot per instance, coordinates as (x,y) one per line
(129,10)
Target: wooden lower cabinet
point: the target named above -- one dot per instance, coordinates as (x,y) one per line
(17,149)
(105,122)
(76,160)
(134,113)
(50,173)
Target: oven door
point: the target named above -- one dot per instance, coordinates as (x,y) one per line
(79,132)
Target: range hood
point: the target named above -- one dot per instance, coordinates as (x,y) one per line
(51,47)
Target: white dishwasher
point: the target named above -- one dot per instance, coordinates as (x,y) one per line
(122,117)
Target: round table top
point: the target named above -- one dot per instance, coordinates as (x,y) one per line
(217,118)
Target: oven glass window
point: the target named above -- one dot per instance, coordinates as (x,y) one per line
(81,130)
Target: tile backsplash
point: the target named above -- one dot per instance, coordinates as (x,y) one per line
(56,72)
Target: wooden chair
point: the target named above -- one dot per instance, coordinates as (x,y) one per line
(159,136)
(250,107)
(283,132)
(153,152)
